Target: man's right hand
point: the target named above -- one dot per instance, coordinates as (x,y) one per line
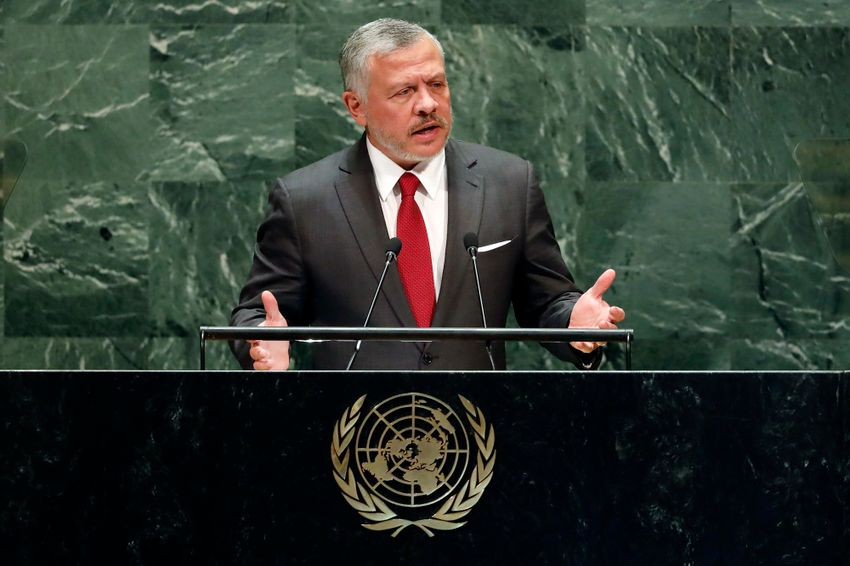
(270,354)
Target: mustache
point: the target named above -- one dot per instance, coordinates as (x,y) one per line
(429,120)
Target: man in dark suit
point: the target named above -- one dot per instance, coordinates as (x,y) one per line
(321,249)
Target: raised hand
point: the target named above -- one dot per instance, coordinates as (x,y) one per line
(270,354)
(591,311)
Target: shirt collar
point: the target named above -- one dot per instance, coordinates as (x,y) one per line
(388,172)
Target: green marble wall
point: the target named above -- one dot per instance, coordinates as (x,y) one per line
(663,132)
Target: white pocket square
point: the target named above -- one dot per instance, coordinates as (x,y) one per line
(491,247)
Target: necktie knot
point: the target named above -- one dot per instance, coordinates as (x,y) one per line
(408,183)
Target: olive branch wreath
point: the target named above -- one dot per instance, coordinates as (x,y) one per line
(375,509)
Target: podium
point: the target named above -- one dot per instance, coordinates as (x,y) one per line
(222,467)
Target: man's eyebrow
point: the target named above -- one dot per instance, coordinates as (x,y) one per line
(410,81)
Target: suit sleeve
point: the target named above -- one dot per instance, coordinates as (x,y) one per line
(544,290)
(278,267)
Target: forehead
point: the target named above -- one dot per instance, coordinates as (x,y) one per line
(421,58)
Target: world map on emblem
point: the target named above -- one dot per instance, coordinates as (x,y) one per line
(412,450)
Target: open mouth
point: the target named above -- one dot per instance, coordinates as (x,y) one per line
(426,129)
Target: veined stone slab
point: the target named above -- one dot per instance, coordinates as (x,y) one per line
(789,86)
(223,102)
(76,260)
(76,353)
(658,104)
(669,243)
(540,12)
(145,11)
(659,12)
(78,97)
(351,14)
(786,284)
(322,123)
(202,241)
(790,12)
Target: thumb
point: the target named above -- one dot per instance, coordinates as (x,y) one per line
(603,283)
(273,316)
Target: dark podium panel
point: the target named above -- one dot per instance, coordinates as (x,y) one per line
(587,468)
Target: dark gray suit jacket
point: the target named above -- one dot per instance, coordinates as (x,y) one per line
(321,249)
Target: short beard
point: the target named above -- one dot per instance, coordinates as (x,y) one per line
(396,147)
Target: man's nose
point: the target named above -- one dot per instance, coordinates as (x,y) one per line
(425,103)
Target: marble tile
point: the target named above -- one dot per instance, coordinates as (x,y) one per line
(519,89)
(202,239)
(790,12)
(183,353)
(658,104)
(4,73)
(786,284)
(145,11)
(659,12)
(790,354)
(646,355)
(352,14)
(322,124)
(75,353)
(669,243)
(688,353)
(223,102)
(789,86)
(76,260)
(542,12)
(78,97)
(685,352)
(830,203)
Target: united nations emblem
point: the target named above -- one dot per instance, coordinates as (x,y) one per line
(410,462)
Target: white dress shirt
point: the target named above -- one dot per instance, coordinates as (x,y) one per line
(431,196)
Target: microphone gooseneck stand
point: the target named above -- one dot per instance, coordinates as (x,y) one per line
(470,242)
(392,250)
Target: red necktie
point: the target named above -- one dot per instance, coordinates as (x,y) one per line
(414,260)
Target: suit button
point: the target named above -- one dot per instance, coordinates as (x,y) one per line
(427,359)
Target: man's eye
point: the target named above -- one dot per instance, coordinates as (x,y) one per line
(404,92)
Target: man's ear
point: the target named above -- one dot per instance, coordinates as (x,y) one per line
(355,107)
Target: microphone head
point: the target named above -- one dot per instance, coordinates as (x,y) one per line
(393,246)
(470,240)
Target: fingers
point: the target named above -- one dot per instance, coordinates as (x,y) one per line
(602,284)
(257,352)
(588,347)
(616,314)
(584,347)
(269,354)
(273,316)
(262,365)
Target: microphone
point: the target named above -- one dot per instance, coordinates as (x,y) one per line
(391,252)
(470,242)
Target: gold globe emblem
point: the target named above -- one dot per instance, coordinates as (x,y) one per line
(412,450)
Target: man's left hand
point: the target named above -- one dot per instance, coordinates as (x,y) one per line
(591,311)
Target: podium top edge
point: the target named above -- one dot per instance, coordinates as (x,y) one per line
(413,334)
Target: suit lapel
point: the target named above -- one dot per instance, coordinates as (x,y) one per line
(466,203)
(355,187)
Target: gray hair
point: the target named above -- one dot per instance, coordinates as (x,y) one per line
(376,38)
